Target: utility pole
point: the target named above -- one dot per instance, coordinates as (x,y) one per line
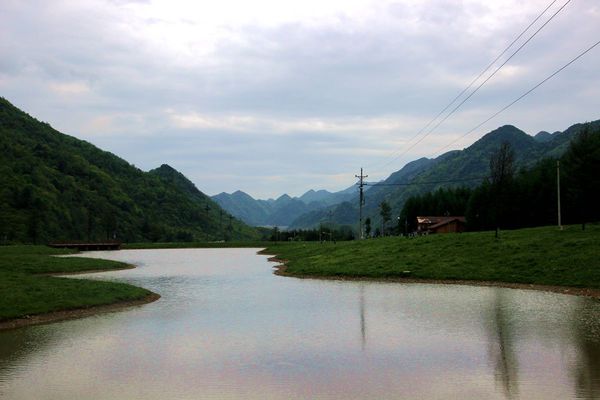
(361,201)
(558,192)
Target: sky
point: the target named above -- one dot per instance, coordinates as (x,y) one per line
(274,97)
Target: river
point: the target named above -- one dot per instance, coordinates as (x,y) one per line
(227,328)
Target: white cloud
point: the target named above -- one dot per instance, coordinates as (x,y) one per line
(285,125)
(287,86)
(69,88)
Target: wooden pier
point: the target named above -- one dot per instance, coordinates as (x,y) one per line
(87,246)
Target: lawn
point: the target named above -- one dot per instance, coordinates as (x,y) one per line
(543,256)
(27,289)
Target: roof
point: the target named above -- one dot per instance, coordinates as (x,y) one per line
(447,220)
(437,219)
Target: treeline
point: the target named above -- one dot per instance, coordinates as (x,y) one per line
(511,199)
(324,234)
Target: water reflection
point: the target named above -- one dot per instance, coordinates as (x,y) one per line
(227,328)
(586,326)
(501,347)
(363,324)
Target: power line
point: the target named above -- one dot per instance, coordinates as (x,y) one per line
(427,182)
(521,97)
(477,78)
(498,68)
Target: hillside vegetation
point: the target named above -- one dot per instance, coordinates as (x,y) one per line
(55,187)
(519,199)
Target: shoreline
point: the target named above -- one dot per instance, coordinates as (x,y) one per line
(82,312)
(75,313)
(89,271)
(281,270)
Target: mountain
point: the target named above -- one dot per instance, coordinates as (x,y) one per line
(272,212)
(465,167)
(345,213)
(244,207)
(315,196)
(544,136)
(283,210)
(324,198)
(55,187)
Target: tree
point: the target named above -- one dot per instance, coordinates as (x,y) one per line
(502,165)
(581,164)
(386,214)
(275,234)
(502,169)
(368,226)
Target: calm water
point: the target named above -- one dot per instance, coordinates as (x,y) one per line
(227,328)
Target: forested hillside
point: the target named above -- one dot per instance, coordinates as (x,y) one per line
(55,187)
(526,198)
(455,166)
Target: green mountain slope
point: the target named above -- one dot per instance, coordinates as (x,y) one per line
(246,208)
(56,187)
(468,163)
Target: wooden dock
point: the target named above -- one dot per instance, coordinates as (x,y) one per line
(87,246)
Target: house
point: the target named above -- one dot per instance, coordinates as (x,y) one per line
(445,224)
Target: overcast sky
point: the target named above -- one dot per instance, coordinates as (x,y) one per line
(275,97)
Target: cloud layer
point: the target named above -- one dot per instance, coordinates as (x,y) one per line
(272,97)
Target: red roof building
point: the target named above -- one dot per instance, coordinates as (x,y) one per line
(444,224)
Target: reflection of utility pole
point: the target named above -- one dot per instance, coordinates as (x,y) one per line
(502,347)
(363,326)
(361,202)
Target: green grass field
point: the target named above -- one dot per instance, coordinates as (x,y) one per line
(25,289)
(543,256)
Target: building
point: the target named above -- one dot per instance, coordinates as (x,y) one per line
(445,224)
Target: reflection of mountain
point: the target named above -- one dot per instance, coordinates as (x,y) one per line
(501,347)
(587,371)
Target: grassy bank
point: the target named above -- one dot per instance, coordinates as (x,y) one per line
(541,256)
(26,289)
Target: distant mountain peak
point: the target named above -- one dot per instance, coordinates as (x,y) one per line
(519,140)
(544,136)
(284,197)
(166,167)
